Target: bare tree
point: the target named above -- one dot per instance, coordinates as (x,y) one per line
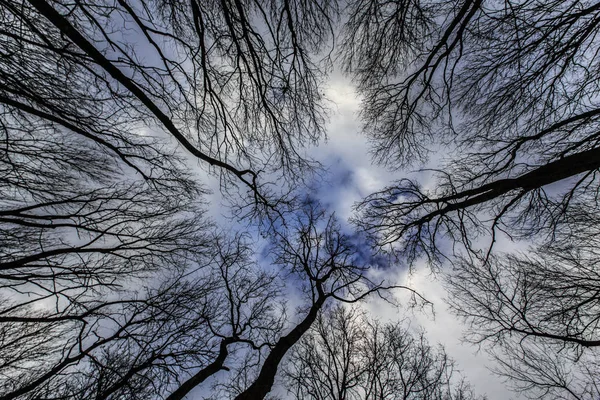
(139,346)
(537,313)
(231,82)
(98,99)
(245,314)
(112,283)
(540,369)
(346,355)
(504,86)
(327,363)
(325,263)
(110,341)
(551,293)
(77,233)
(501,83)
(510,89)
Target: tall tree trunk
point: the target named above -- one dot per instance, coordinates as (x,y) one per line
(204,373)
(263,384)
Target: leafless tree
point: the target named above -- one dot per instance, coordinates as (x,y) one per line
(105,341)
(113,284)
(510,90)
(77,231)
(236,84)
(551,293)
(104,103)
(142,345)
(507,85)
(323,260)
(538,314)
(540,369)
(73,240)
(346,355)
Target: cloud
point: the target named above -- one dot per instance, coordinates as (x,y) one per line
(350,176)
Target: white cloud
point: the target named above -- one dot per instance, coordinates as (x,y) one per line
(347,153)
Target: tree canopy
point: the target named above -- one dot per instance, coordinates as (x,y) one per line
(117,116)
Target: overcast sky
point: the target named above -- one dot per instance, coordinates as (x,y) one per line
(351,176)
